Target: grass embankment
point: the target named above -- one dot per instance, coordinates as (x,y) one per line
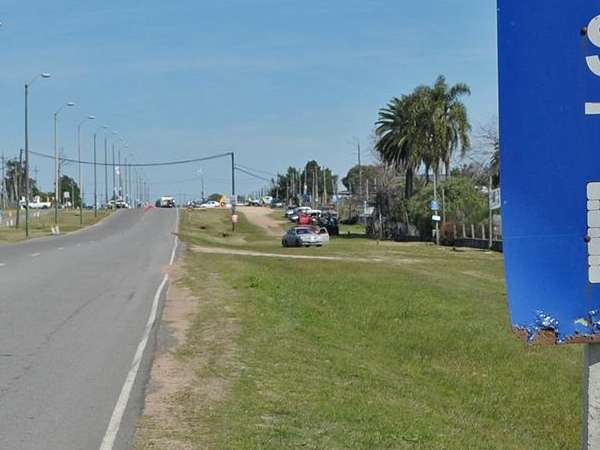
(413,351)
(41,223)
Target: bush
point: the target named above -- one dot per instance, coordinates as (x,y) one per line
(464,203)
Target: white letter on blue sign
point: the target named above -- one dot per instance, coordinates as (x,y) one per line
(593,62)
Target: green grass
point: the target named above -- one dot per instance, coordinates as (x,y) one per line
(411,352)
(41,224)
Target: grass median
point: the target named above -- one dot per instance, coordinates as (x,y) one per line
(407,348)
(41,223)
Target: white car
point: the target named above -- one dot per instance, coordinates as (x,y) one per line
(302,236)
(324,235)
(210,204)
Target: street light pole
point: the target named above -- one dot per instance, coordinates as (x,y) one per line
(27,184)
(233,196)
(95,173)
(105,172)
(56,163)
(81,194)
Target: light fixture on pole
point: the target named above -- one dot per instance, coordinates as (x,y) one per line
(95,173)
(79,162)
(27,184)
(57,164)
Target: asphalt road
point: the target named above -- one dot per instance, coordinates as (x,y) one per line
(73,310)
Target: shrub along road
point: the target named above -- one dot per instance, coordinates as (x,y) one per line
(414,352)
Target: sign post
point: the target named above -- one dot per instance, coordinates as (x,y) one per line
(549,62)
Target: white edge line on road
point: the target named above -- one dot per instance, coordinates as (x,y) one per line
(114,425)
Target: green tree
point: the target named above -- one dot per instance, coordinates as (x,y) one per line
(14,179)
(464,203)
(68,184)
(352,180)
(423,129)
(398,140)
(451,127)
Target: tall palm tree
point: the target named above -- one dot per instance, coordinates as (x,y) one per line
(397,131)
(451,123)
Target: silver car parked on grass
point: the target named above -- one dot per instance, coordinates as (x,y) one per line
(301,237)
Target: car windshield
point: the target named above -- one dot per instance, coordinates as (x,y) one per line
(303,231)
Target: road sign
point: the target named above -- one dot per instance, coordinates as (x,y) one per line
(495,199)
(550,164)
(435,206)
(436,218)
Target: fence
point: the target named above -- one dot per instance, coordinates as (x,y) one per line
(451,234)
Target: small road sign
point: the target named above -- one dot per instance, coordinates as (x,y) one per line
(495,199)
(436,218)
(435,206)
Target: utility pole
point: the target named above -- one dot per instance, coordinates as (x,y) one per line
(360,189)
(19,176)
(114,170)
(324,188)
(491,215)
(26,161)
(233,197)
(105,173)
(437,224)
(95,182)
(120,178)
(3,186)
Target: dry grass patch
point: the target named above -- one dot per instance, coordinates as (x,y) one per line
(194,376)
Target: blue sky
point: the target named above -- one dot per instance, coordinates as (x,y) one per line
(277,81)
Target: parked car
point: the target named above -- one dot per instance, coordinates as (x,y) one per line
(302,237)
(324,235)
(329,220)
(298,212)
(290,211)
(210,204)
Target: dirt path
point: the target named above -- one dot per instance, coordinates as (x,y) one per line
(262,218)
(229,251)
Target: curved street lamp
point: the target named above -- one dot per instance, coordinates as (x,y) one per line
(27,184)
(79,162)
(95,176)
(56,162)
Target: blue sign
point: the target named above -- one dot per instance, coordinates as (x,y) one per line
(435,206)
(549,57)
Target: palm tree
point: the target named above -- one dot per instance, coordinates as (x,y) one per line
(398,137)
(451,122)
(424,128)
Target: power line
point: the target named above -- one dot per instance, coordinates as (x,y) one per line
(238,168)
(151,164)
(257,170)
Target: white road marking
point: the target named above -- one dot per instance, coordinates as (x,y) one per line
(117,416)
(61,248)
(2,264)
(35,255)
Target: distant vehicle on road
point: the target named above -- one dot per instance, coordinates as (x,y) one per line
(167,202)
(302,237)
(37,203)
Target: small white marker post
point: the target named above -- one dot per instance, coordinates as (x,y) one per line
(591,400)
